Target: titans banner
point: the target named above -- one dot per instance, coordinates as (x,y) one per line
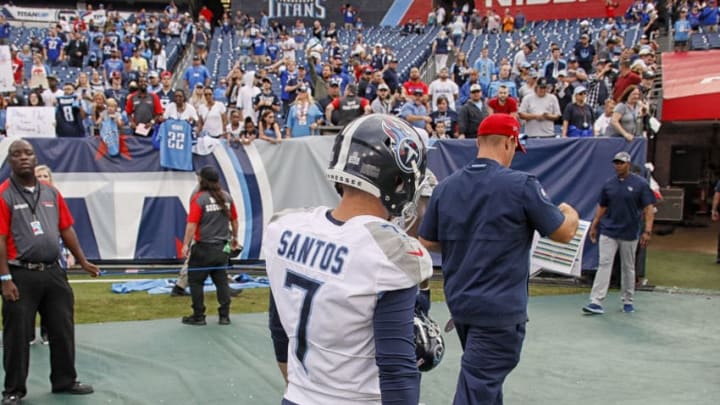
(129,208)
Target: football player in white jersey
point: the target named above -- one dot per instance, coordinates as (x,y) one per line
(344,279)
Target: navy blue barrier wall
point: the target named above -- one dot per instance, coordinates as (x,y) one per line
(570,170)
(129,208)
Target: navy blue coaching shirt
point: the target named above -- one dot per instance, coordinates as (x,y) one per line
(625,200)
(484,217)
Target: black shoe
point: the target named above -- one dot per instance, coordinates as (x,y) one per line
(77,388)
(224,320)
(235,293)
(198,320)
(11,399)
(178,292)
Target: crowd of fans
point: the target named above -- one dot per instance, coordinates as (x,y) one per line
(600,88)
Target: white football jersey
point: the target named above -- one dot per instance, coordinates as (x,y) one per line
(325,279)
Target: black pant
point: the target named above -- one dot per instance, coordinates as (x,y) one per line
(205,255)
(49,293)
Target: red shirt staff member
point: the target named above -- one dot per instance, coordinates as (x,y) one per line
(33,217)
(211,223)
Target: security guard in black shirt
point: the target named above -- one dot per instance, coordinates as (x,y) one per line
(33,218)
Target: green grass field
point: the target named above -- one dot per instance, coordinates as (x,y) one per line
(94,302)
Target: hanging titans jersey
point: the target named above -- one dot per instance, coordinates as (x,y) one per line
(67,118)
(326,279)
(175,145)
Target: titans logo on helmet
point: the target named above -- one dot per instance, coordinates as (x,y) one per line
(407,151)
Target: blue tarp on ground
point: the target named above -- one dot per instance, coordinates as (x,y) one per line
(165,285)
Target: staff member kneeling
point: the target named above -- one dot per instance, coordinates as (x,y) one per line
(212,215)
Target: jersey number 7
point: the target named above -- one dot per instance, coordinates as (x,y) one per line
(309,287)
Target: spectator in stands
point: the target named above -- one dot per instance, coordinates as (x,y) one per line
(165,92)
(197,98)
(503,103)
(441,48)
(17,66)
(154,82)
(213,115)
(390,76)
(304,116)
(112,65)
(196,73)
(414,110)
(234,80)
(109,116)
(646,85)
(445,115)
(35,45)
(503,79)
(457,28)
(521,58)
(248,133)
(52,92)
(600,86)
(553,66)
(539,111)
(116,89)
(460,69)
(527,83)
(464,96)
(584,52)
(265,100)
(5,30)
(26,56)
(414,83)
(472,114)
(603,121)
(627,119)
(681,32)
(53,48)
(96,82)
(443,86)
(268,128)
(520,20)
(143,109)
(138,63)
(486,69)
(246,96)
(578,117)
(180,109)
(709,16)
(383,103)
(289,84)
(365,81)
(349,16)
(287,46)
(493,22)
(625,78)
(76,50)
(69,114)
(508,22)
(349,107)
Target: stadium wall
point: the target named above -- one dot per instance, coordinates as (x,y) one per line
(287,11)
(129,208)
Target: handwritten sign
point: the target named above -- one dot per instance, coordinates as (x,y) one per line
(31,122)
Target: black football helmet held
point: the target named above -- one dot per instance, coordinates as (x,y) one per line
(429,343)
(381,155)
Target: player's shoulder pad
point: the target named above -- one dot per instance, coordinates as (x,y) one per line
(404,252)
(280,214)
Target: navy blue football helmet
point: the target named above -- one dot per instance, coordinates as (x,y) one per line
(429,343)
(382,155)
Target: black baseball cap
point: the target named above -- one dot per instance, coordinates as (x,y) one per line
(541,82)
(209,173)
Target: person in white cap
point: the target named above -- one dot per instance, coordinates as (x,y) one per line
(625,203)
(578,117)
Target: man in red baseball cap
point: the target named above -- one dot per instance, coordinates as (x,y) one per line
(482,219)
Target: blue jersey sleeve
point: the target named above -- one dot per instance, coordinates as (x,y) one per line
(545,217)
(277,333)
(395,347)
